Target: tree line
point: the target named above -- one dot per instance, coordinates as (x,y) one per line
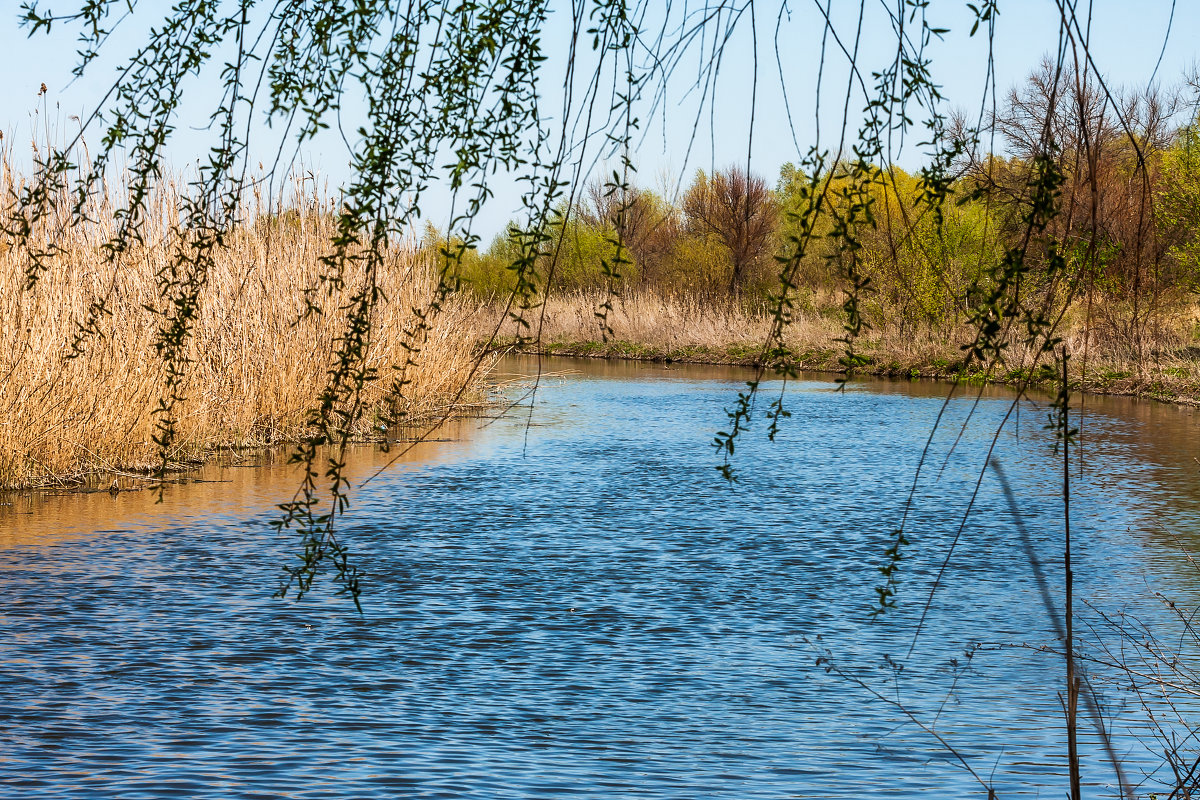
(1127,198)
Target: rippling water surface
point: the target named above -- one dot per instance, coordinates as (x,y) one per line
(568,602)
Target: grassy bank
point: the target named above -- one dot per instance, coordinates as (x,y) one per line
(254,370)
(1164,364)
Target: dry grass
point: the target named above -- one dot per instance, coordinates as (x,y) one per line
(685,327)
(1160,360)
(651,320)
(254,372)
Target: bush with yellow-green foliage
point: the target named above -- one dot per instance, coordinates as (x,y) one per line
(571,260)
(1178,206)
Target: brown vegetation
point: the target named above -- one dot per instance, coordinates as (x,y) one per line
(649,325)
(254,368)
(740,211)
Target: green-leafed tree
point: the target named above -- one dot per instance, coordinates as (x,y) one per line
(1178,207)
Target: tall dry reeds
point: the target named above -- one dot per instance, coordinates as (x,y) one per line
(255,367)
(647,324)
(652,320)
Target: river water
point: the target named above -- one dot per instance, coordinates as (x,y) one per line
(568,601)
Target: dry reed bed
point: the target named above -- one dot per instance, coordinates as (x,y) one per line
(254,373)
(684,327)
(654,322)
(1161,360)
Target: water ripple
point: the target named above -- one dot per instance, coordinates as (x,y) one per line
(587,612)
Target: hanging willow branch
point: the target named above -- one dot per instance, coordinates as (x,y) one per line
(453,96)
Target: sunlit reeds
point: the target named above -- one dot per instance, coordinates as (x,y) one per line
(256,367)
(646,324)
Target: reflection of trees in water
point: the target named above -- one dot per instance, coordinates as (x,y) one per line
(1160,440)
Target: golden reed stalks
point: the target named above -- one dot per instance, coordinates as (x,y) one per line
(254,369)
(646,324)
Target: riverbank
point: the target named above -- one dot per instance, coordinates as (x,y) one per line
(647,327)
(256,368)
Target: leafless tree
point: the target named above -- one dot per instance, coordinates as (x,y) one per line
(740,210)
(1107,146)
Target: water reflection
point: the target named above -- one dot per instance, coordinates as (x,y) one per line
(230,486)
(567,601)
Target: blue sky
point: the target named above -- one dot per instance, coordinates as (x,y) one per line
(1126,41)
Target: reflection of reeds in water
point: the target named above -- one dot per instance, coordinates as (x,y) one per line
(237,485)
(254,371)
